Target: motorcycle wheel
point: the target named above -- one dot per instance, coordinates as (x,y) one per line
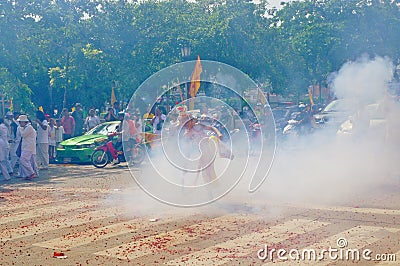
(138,155)
(99,158)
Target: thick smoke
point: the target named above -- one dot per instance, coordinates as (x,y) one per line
(322,167)
(364,80)
(341,169)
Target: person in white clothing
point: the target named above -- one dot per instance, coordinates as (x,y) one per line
(12,138)
(59,133)
(5,146)
(52,140)
(27,164)
(3,160)
(158,121)
(91,120)
(42,140)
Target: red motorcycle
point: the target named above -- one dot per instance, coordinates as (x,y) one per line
(107,153)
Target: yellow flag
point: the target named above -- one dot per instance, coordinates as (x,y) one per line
(195,82)
(113,99)
(261,97)
(310,96)
(11,104)
(41,108)
(180,91)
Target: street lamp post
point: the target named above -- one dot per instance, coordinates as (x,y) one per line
(185,52)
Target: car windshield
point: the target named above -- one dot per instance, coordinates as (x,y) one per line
(338,105)
(103,129)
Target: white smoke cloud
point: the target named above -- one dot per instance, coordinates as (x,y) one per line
(329,170)
(365,80)
(319,168)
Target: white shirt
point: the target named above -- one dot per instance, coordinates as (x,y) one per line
(28,134)
(3,148)
(52,136)
(157,121)
(4,133)
(8,123)
(43,134)
(91,122)
(59,134)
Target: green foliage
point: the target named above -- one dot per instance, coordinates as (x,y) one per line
(17,91)
(84,47)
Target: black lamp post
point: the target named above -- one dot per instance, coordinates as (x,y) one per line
(185,52)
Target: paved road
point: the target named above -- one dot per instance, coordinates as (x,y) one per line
(100,217)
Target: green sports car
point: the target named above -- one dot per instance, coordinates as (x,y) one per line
(79,149)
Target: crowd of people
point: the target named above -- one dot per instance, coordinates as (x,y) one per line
(25,149)
(28,145)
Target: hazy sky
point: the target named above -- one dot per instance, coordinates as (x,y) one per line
(275,2)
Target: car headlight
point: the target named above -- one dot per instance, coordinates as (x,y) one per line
(87,146)
(60,146)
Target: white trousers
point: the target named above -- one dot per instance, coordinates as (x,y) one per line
(3,169)
(42,152)
(27,164)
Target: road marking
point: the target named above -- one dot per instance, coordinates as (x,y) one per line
(357,238)
(21,215)
(25,203)
(72,189)
(160,242)
(348,209)
(65,222)
(243,246)
(86,237)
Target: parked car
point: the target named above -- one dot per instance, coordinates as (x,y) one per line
(373,124)
(79,149)
(282,116)
(335,113)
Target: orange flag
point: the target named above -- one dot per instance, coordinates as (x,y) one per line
(113,98)
(311,97)
(195,82)
(261,97)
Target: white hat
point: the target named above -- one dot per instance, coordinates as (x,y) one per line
(23,118)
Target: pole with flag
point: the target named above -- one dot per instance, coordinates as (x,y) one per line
(261,97)
(195,82)
(180,91)
(310,96)
(113,98)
